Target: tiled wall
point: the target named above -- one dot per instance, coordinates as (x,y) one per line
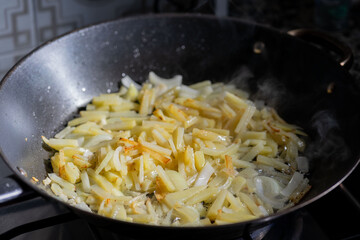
(25,24)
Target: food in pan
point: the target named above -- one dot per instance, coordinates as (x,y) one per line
(169,154)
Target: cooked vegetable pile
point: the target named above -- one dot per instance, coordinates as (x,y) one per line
(168,154)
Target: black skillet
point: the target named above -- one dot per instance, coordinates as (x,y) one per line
(45,89)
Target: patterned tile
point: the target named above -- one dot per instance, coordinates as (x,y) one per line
(16,31)
(25,24)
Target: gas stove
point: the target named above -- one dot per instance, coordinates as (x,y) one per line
(331,217)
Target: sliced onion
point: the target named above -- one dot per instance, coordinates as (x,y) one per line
(227,183)
(87,153)
(81,140)
(170,83)
(127,81)
(206,91)
(263,211)
(116,159)
(188,92)
(204,175)
(302,186)
(268,190)
(293,184)
(272,187)
(303,164)
(227,210)
(83,206)
(192,179)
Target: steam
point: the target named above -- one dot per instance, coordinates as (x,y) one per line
(266,91)
(271,92)
(242,78)
(329,145)
(324,122)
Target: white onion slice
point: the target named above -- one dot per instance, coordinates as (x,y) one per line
(204,175)
(81,140)
(227,183)
(303,164)
(227,210)
(271,186)
(268,190)
(293,184)
(263,211)
(116,159)
(83,206)
(206,91)
(87,153)
(127,81)
(192,179)
(170,83)
(187,92)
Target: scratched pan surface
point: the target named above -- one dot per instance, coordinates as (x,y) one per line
(46,88)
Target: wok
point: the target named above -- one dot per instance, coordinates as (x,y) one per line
(307,87)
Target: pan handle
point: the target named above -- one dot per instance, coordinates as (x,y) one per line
(327,41)
(13,191)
